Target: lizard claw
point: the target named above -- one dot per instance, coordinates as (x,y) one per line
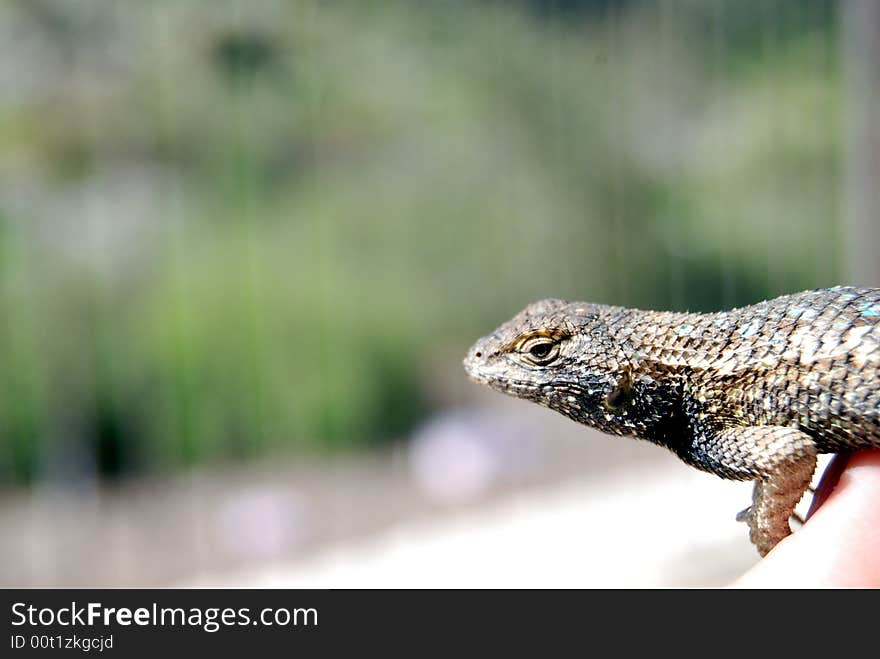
(745,515)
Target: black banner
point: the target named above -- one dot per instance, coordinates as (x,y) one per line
(128,622)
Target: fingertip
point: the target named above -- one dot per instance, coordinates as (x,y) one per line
(828,482)
(839,546)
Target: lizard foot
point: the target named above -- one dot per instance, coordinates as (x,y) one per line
(774,500)
(781,461)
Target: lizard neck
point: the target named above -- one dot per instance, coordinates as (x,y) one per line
(648,399)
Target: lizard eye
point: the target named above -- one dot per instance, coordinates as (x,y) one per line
(540,350)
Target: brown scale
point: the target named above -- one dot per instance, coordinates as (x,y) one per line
(750,394)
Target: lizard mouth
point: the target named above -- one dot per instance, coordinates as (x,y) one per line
(504,384)
(482,371)
(478,375)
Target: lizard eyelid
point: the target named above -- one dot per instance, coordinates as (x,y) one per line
(553,335)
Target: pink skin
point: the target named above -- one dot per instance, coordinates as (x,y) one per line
(839,546)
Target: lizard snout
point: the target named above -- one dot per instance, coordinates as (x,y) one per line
(475,361)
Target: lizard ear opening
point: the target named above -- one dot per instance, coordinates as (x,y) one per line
(621,394)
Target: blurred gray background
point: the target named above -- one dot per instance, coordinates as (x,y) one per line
(244,247)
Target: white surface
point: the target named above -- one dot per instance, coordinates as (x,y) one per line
(672,527)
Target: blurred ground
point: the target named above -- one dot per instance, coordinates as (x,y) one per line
(568,535)
(539,502)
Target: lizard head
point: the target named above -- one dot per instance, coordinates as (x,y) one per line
(554,353)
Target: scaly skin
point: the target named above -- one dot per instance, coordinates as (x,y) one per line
(749,394)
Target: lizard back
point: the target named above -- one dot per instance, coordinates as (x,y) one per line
(809,360)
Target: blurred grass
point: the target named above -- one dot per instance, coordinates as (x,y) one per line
(228,228)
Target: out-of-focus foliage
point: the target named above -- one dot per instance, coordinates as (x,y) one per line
(229,227)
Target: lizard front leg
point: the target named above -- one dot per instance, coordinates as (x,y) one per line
(781,461)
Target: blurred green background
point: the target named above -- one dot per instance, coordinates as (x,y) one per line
(229,229)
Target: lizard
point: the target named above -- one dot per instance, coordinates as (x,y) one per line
(751,394)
